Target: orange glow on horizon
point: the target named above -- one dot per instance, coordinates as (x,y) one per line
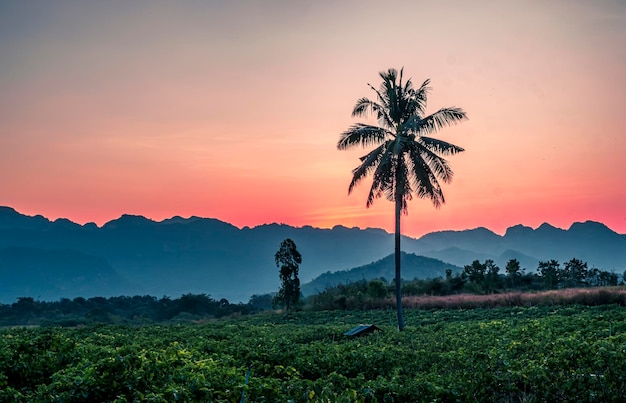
(182,115)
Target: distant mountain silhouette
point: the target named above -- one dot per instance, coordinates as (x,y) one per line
(468,240)
(203,255)
(194,255)
(48,274)
(9,218)
(413,267)
(462,257)
(457,256)
(590,241)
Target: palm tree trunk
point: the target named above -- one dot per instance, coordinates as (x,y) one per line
(397,258)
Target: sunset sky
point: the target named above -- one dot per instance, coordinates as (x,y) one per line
(232,109)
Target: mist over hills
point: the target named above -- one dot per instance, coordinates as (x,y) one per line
(134,255)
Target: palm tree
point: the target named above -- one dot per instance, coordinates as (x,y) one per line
(405,161)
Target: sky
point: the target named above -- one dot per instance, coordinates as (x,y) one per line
(232,109)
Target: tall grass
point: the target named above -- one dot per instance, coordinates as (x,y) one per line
(582,296)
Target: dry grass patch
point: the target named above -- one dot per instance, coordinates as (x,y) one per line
(582,296)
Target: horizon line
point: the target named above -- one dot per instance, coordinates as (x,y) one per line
(87,223)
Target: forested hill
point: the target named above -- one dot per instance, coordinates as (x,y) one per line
(413,267)
(133,255)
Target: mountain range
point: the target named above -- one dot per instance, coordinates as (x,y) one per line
(134,255)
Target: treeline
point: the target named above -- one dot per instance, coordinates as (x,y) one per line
(118,310)
(476,278)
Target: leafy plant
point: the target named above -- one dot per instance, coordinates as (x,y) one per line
(546,353)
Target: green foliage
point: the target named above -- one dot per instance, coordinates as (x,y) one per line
(377,288)
(475,272)
(115,310)
(261,302)
(550,273)
(574,274)
(509,354)
(477,278)
(483,277)
(288,260)
(513,273)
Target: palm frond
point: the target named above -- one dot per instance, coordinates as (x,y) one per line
(401,184)
(382,178)
(363,135)
(424,89)
(440,146)
(424,180)
(394,94)
(364,106)
(389,75)
(438,165)
(369,163)
(391,92)
(383,116)
(417,100)
(432,123)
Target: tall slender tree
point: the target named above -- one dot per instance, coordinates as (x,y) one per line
(288,260)
(405,160)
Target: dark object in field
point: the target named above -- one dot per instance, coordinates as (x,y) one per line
(361,330)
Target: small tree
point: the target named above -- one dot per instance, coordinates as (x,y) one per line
(513,272)
(551,273)
(288,260)
(575,273)
(475,272)
(492,277)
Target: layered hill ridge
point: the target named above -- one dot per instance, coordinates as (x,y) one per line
(413,266)
(204,255)
(590,241)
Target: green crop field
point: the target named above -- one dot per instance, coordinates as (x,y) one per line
(571,353)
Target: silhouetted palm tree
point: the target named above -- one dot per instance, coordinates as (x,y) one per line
(405,161)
